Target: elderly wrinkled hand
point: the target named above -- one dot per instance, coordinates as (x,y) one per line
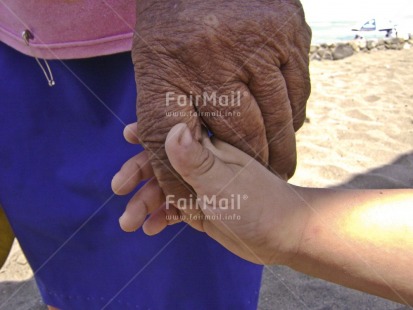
(239,68)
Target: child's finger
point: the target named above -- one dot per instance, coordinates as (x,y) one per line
(160,218)
(130,133)
(133,171)
(149,198)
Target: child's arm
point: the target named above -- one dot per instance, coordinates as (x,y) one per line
(362,239)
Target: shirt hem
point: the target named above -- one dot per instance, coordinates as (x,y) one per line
(70,50)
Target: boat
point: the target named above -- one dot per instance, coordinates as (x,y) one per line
(375,28)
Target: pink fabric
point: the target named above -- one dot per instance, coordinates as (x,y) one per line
(67,29)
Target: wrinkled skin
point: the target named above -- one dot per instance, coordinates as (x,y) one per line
(257,48)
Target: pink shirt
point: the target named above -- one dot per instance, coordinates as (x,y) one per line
(64,29)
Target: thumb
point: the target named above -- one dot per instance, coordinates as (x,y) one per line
(197,164)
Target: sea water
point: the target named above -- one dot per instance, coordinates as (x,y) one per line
(333,31)
(333,20)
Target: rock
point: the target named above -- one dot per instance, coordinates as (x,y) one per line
(315,56)
(342,51)
(394,47)
(393,43)
(313,49)
(362,44)
(354,46)
(371,44)
(321,52)
(324,45)
(328,55)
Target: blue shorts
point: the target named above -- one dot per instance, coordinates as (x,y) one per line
(59,148)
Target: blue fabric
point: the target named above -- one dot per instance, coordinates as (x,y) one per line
(59,148)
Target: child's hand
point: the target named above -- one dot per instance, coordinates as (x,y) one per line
(238,202)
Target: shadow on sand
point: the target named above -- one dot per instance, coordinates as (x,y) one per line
(22,295)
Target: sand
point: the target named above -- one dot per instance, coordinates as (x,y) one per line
(359,134)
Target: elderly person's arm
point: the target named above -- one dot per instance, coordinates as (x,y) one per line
(240,68)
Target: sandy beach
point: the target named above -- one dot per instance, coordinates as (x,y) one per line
(358,134)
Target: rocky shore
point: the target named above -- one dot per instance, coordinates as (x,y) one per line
(336,51)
